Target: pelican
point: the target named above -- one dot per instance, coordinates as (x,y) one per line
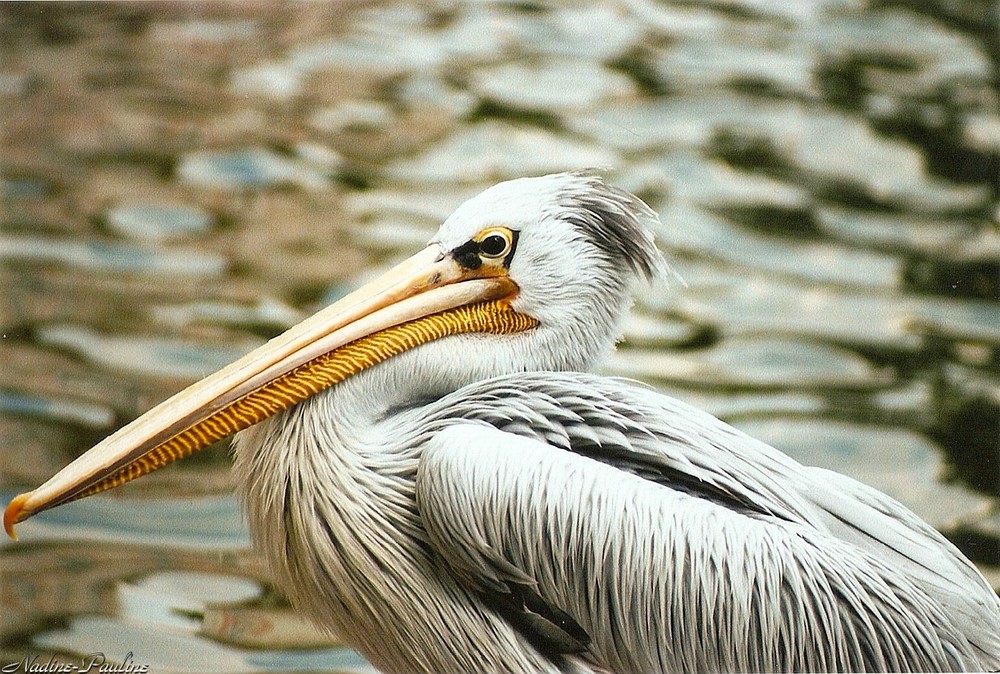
(432,473)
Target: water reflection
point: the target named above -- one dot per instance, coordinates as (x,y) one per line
(180,182)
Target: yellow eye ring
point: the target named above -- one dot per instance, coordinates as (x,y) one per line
(495,242)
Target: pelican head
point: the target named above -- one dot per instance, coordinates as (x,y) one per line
(572,244)
(536,271)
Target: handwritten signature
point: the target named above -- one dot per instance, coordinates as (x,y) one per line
(95,663)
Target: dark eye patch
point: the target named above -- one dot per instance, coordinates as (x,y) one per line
(467,255)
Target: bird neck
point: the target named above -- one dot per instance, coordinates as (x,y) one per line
(328,488)
(329,511)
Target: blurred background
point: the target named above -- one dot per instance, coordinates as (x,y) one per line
(181,181)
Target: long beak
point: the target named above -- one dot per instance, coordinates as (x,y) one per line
(425,297)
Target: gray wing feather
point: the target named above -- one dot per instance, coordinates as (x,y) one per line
(648,434)
(884,527)
(669,444)
(661,580)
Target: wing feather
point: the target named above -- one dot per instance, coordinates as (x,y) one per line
(657,579)
(833,547)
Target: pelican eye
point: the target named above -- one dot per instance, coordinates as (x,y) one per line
(495,245)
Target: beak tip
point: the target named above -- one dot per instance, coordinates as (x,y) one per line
(15,512)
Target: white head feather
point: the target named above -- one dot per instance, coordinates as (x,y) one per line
(580,244)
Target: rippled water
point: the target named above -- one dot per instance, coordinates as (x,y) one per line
(179,182)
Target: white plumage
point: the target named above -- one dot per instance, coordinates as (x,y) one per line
(480,504)
(434,475)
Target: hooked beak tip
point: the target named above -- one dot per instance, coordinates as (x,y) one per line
(15,513)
